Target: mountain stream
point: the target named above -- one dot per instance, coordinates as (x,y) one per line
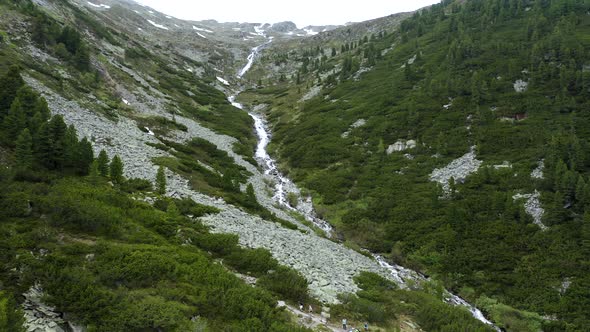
(284,187)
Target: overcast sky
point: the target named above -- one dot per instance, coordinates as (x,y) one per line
(302,12)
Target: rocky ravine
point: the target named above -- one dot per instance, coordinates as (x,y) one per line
(328,266)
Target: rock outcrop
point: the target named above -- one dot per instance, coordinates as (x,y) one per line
(40,317)
(459,169)
(533,207)
(401,145)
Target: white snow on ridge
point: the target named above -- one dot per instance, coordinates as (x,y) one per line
(157,25)
(201,29)
(200,35)
(225,82)
(259,30)
(310,32)
(98,6)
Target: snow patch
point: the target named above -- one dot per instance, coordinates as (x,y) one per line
(200,35)
(157,25)
(98,6)
(201,29)
(151,133)
(259,30)
(225,82)
(125,101)
(310,32)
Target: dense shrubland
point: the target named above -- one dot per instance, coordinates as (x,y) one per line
(468,55)
(110,260)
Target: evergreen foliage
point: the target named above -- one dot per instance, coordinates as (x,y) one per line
(116,170)
(24,151)
(473,52)
(103,163)
(161,180)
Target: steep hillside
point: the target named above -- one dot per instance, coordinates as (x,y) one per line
(457,145)
(132,199)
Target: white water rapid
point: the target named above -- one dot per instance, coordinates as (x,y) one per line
(284,186)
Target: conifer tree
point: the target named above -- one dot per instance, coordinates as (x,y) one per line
(172,211)
(9,85)
(103,163)
(57,133)
(24,150)
(161,181)
(250,196)
(116,170)
(83,157)
(13,124)
(70,147)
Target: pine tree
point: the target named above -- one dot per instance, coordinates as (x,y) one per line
(9,85)
(250,197)
(172,211)
(13,124)
(161,180)
(116,170)
(24,150)
(103,163)
(57,132)
(43,146)
(82,59)
(70,147)
(84,156)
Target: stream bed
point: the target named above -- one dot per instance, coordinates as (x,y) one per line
(283,187)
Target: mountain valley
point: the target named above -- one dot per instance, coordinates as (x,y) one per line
(423,171)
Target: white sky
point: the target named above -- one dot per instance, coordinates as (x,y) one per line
(302,12)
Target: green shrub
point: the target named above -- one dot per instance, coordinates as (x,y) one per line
(287,283)
(252,261)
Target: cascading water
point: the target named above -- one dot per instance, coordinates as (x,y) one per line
(284,186)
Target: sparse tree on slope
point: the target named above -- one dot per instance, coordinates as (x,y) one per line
(117,170)
(103,163)
(161,181)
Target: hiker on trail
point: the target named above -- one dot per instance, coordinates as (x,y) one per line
(344,323)
(310,309)
(366,326)
(300,306)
